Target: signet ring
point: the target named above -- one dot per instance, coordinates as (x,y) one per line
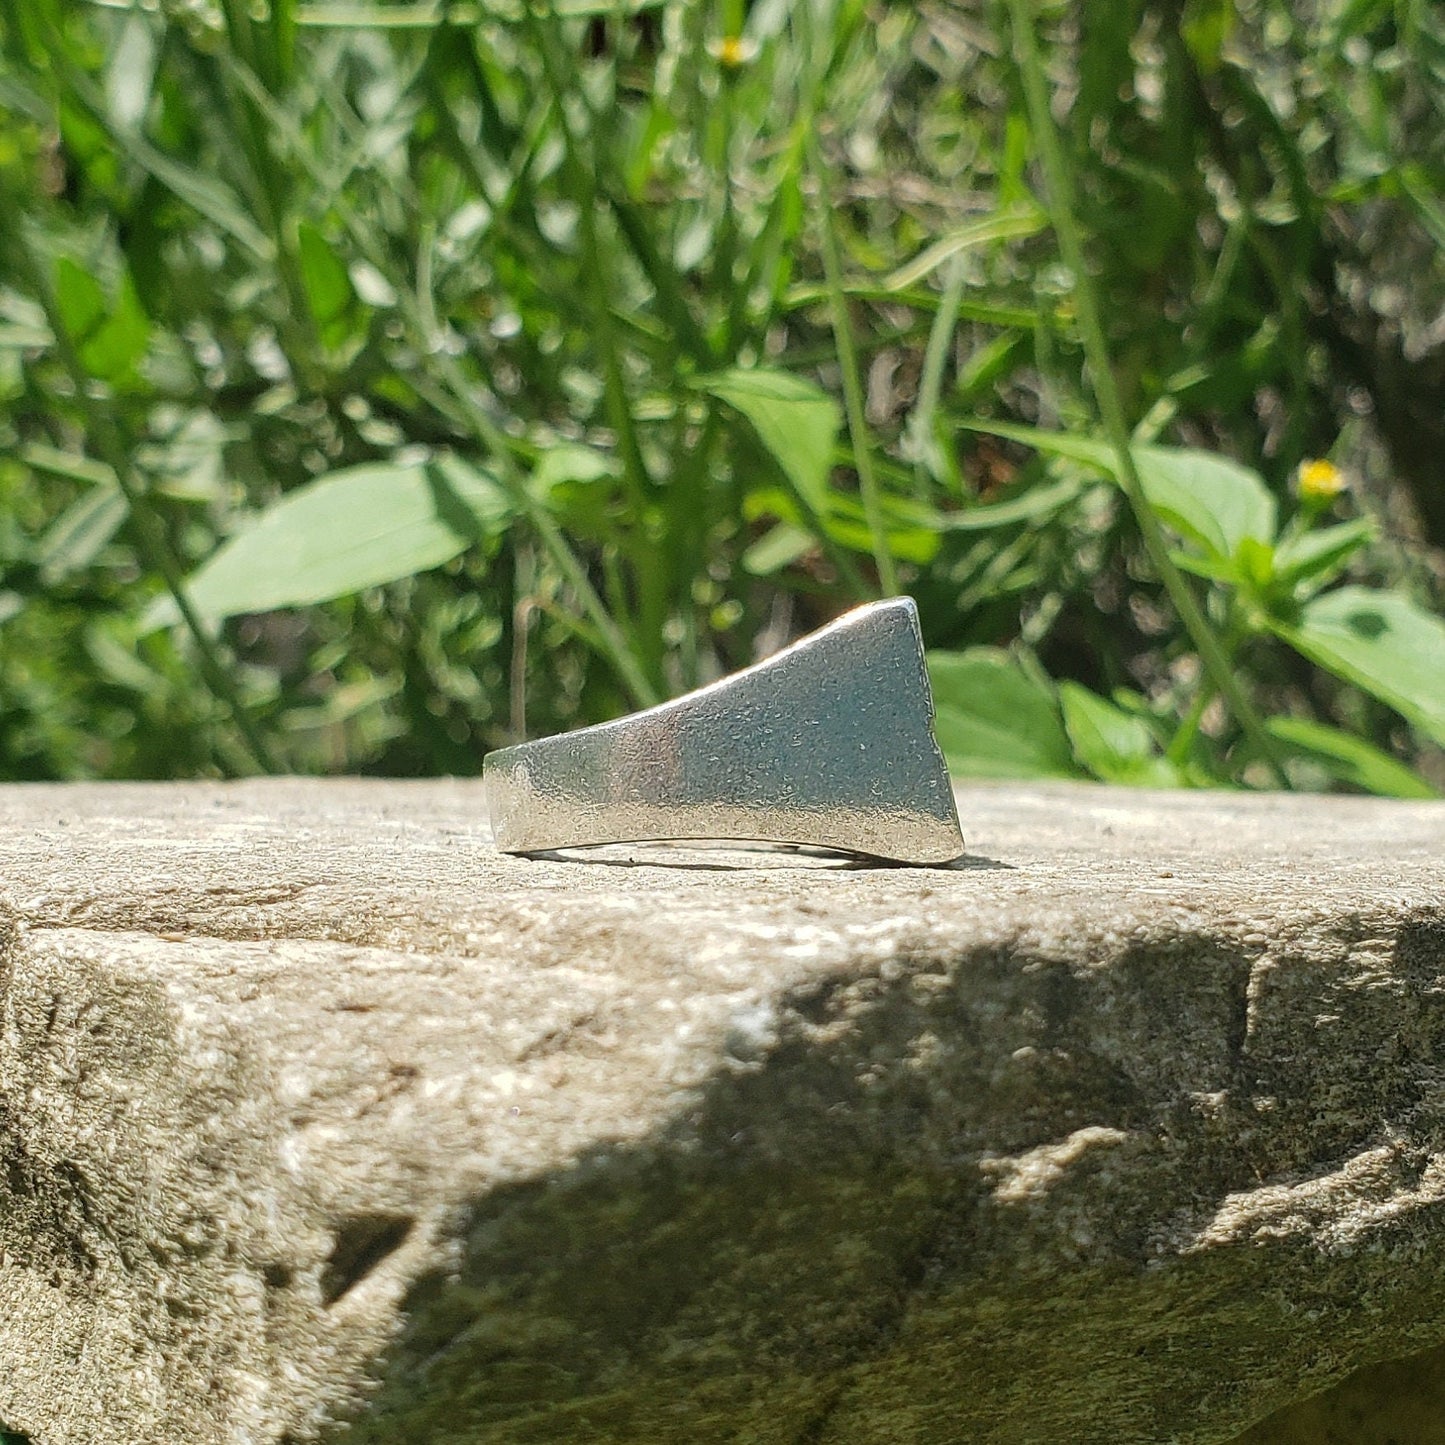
(827,743)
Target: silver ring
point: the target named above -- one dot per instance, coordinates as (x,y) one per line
(828,743)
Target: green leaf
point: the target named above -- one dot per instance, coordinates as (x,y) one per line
(1008,225)
(208,196)
(283,36)
(571,462)
(1114,745)
(328,286)
(371,285)
(1254,563)
(577,484)
(993,720)
(73,541)
(1214,569)
(911,528)
(24,99)
(110,338)
(110,644)
(909,540)
(1316,556)
(778,548)
(67,464)
(1349,759)
(1206,498)
(1383,643)
(796,421)
(87,148)
(1035,505)
(189,464)
(114,351)
(79,298)
(357,528)
(131,71)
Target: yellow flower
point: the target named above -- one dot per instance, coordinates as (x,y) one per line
(1319,481)
(733,51)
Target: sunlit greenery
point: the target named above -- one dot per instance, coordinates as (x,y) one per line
(383,382)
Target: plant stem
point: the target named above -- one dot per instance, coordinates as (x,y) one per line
(150,532)
(852,381)
(1062,206)
(1183,740)
(922,443)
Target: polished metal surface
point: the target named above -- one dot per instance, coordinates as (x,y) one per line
(829,742)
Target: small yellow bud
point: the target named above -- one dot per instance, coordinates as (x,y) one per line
(732,51)
(1319,481)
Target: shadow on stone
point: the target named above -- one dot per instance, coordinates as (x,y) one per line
(362,1242)
(978,1201)
(593,859)
(771,856)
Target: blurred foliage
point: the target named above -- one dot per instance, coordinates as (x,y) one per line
(381,382)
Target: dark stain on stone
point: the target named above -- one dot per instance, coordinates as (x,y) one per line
(277,1276)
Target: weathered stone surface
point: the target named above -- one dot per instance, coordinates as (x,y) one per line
(1129,1128)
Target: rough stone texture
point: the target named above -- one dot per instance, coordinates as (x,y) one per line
(1127,1128)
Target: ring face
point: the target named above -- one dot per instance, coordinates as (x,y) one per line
(828,742)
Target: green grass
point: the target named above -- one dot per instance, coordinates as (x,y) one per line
(650,333)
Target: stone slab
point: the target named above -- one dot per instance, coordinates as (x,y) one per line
(315,1109)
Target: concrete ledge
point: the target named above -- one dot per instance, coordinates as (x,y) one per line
(314,1108)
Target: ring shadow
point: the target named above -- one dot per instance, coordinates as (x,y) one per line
(832,861)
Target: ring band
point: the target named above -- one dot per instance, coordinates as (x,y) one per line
(828,742)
